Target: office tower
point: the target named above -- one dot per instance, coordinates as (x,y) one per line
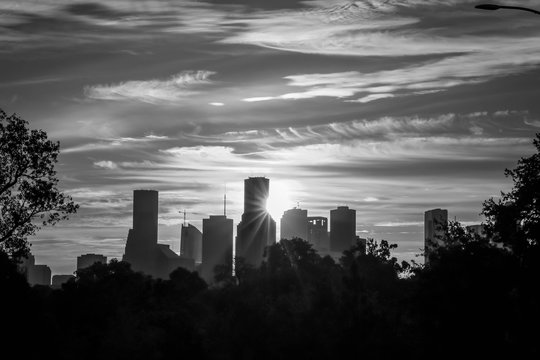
(87,260)
(191,243)
(39,275)
(435,222)
(142,238)
(342,228)
(318,234)
(59,280)
(217,241)
(294,224)
(257,229)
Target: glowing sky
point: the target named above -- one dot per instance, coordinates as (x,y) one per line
(392,107)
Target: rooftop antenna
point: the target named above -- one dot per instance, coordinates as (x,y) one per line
(184,217)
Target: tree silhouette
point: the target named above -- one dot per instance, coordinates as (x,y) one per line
(29,197)
(514,220)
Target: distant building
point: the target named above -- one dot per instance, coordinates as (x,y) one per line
(342,228)
(59,280)
(217,242)
(363,243)
(479,230)
(35,274)
(142,238)
(191,243)
(435,222)
(39,275)
(318,234)
(142,249)
(167,261)
(88,260)
(257,229)
(294,224)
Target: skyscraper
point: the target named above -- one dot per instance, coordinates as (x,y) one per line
(87,260)
(294,223)
(257,228)
(434,222)
(318,234)
(142,238)
(191,243)
(142,249)
(342,228)
(217,242)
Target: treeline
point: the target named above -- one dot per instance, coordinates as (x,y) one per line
(478,297)
(475,299)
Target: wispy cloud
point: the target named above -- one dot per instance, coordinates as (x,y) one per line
(172,90)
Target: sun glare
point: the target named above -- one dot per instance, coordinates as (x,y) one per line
(279,199)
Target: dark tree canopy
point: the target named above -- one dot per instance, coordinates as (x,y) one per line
(514,220)
(29,196)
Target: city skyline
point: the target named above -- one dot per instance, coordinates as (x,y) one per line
(390,107)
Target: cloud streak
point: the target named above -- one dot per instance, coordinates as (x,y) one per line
(169,91)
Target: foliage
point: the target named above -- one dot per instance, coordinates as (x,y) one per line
(29,197)
(514,220)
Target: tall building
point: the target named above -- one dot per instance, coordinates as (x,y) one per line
(217,242)
(35,274)
(142,249)
(342,228)
(142,238)
(39,275)
(294,224)
(434,223)
(87,260)
(318,234)
(257,229)
(191,243)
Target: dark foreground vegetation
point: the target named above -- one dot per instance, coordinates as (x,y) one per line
(479,296)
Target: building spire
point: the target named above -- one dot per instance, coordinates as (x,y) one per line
(225,200)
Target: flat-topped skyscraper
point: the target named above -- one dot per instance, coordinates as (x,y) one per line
(342,228)
(217,242)
(257,228)
(142,238)
(294,224)
(434,223)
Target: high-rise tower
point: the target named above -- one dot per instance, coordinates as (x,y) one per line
(294,224)
(434,223)
(142,238)
(217,241)
(342,228)
(257,228)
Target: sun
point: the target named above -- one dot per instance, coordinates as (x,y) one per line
(279,199)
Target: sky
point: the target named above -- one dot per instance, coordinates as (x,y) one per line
(391,107)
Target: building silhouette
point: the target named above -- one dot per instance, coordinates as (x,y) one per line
(294,224)
(167,261)
(35,274)
(217,242)
(478,229)
(59,280)
(191,243)
(342,228)
(88,260)
(257,229)
(317,227)
(142,238)
(142,249)
(435,222)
